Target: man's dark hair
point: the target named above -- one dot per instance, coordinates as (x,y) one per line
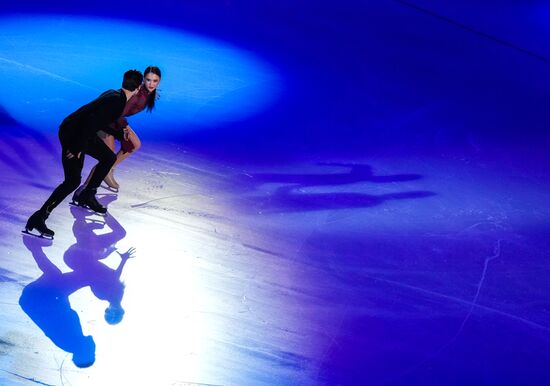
(132,79)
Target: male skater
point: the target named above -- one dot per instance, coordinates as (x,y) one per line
(78,135)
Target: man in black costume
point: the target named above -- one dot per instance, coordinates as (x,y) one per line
(78,136)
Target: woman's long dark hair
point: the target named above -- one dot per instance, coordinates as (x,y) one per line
(153,96)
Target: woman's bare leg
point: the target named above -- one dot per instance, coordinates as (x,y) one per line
(132,137)
(121,156)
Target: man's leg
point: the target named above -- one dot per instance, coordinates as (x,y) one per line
(72,169)
(109,140)
(106,157)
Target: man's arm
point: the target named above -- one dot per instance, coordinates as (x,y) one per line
(105,111)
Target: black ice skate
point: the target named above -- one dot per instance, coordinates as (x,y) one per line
(87,199)
(38,222)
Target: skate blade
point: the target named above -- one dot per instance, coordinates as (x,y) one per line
(99,195)
(87,208)
(107,187)
(40,235)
